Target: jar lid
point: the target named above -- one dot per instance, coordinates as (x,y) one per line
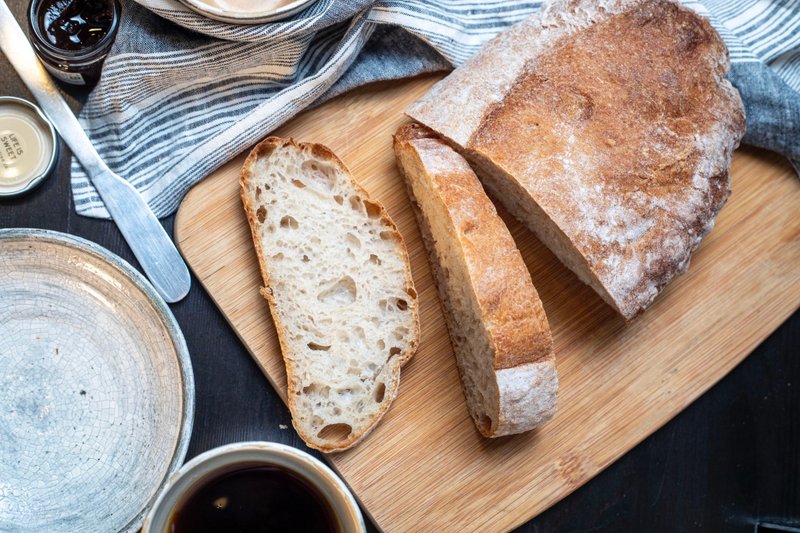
(28,146)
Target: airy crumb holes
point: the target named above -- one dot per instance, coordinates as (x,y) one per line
(335,432)
(355,203)
(341,292)
(321,178)
(299,184)
(392,304)
(380,392)
(289,222)
(319,347)
(261,214)
(353,240)
(373,209)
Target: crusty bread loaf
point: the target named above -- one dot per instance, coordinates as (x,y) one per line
(337,279)
(607,127)
(497,325)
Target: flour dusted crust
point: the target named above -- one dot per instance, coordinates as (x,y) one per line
(498,328)
(608,128)
(338,282)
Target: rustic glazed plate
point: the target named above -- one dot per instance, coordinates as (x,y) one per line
(245,11)
(96,387)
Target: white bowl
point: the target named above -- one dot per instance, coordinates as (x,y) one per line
(214,462)
(220,10)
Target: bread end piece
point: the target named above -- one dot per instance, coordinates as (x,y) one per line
(528,396)
(338,283)
(498,328)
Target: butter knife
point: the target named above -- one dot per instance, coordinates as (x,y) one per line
(148,240)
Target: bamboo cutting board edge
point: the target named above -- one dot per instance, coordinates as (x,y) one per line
(736,360)
(189,238)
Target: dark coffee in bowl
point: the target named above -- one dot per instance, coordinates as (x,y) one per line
(254,499)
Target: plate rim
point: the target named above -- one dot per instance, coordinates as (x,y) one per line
(259,17)
(168,319)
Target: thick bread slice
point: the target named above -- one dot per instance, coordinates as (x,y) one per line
(607,127)
(337,279)
(497,325)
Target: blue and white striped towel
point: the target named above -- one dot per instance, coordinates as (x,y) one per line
(180,94)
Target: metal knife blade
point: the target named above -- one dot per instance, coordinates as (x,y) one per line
(148,240)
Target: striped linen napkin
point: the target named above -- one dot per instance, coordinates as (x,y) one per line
(181,94)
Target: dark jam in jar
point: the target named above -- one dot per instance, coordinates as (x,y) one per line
(75,24)
(73,37)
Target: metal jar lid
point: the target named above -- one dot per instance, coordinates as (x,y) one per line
(28,146)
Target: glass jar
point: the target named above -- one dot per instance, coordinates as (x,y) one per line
(73,37)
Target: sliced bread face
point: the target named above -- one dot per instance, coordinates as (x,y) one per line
(497,325)
(337,278)
(607,127)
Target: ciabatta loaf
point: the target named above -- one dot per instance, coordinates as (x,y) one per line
(607,127)
(497,325)
(337,279)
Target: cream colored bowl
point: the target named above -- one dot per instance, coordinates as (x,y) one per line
(210,464)
(247,11)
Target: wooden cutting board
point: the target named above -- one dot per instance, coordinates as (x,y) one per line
(425,468)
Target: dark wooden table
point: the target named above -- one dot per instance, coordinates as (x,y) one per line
(729,460)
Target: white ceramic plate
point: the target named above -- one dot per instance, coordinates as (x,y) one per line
(96,387)
(227,11)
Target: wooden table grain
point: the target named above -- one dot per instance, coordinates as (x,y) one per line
(729,460)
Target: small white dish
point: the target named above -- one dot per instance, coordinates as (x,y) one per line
(247,11)
(219,461)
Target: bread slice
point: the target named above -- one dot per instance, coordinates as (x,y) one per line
(497,325)
(337,279)
(607,127)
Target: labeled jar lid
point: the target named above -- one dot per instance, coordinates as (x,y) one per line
(28,146)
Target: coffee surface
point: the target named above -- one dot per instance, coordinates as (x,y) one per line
(254,499)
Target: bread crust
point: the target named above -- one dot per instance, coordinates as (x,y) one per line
(262,150)
(507,306)
(613,121)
